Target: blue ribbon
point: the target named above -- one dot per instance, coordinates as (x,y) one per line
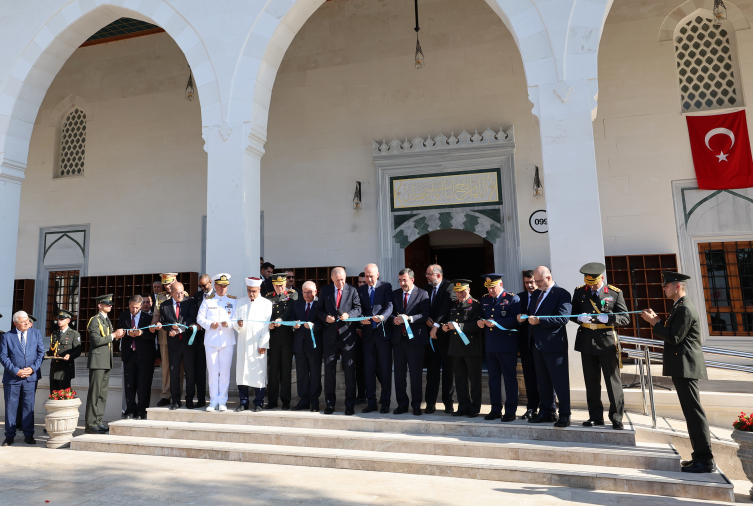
(408,330)
(500,327)
(525,316)
(288,324)
(460,333)
(190,341)
(362,318)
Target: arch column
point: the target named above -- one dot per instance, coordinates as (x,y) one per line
(11,175)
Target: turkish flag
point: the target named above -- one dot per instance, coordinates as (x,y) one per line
(721,151)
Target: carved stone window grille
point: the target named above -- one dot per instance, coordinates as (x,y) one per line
(706,64)
(72,144)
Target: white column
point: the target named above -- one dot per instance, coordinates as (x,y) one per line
(11,176)
(570,187)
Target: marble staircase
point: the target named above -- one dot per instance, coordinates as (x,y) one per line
(440,445)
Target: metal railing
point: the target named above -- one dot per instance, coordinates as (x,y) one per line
(644,356)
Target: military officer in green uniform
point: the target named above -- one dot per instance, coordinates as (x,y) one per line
(466,358)
(101,337)
(684,362)
(280,353)
(65,347)
(597,342)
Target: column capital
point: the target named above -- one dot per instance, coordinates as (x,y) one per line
(255,141)
(12,171)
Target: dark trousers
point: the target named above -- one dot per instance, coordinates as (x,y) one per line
(99,383)
(593,366)
(553,377)
(503,367)
(59,384)
(179,350)
(279,373)
(695,417)
(243,391)
(409,358)
(360,370)
(137,378)
(468,370)
(348,353)
(529,377)
(308,371)
(377,361)
(19,394)
(438,360)
(200,367)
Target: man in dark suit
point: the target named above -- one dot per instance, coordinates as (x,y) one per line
(267,287)
(340,301)
(137,353)
(550,346)
(410,308)
(21,353)
(526,352)
(308,353)
(441,298)
(376,301)
(200,365)
(182,310)
(683,361)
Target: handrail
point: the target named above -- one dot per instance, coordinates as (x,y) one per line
(706,349)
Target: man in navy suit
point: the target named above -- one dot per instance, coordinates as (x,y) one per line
(21,353)
(525,351)
(441,298)
(410,307)
(308,353)
(550,346)
(340,301)
(376,301)
(137,353)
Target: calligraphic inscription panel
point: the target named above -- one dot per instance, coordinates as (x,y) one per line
(457,189)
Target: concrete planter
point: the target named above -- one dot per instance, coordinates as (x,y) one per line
(60,421)
(744,440)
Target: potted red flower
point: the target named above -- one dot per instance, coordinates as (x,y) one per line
(62,417)
(743,436)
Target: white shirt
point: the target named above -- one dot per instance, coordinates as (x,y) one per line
(544,297)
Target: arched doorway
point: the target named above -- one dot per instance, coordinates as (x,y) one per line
(461,254)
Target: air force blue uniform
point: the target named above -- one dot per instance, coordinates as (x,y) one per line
(502,349)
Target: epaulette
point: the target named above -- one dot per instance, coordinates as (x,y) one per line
(612,287)
(210,297)
(485,295)
(270,294)
(232,297)
(579,287)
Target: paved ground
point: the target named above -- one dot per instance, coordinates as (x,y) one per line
(34,474)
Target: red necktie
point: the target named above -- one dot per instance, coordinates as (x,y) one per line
(308,306)
(133,325)
(339,296)
(538,301)
(177,318)
(405,302)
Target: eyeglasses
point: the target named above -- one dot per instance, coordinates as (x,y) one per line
(539,281)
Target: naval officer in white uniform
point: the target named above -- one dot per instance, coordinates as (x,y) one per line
(216,316)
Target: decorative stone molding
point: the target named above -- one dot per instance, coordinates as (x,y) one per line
(480,222)
(488,137)
(562,89)
(734,16)
(12,172)
(66,105)
(256,141)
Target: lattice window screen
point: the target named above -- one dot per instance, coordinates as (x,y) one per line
(72,144)
(707,70)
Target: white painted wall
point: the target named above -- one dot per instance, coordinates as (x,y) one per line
(144,189)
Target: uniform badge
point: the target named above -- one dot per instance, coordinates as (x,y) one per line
(504,313)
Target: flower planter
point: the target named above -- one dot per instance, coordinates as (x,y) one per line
(744,440)
(60,421)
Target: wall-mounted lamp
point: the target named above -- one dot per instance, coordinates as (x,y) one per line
(357,197)
(419,58)
(538,188)
(720,12)
(189,86)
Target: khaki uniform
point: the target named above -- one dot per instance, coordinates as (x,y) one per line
(99,363)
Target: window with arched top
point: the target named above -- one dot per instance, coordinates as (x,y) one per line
(707,67)
(72,149)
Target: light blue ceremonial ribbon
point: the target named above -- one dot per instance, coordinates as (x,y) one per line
(500,327)
(460,333)
(288,324)
(408,330)
(524,316)
(362,318)
(190,341)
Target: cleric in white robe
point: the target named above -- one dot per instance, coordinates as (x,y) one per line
(253,341)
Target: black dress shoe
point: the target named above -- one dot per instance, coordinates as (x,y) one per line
(449,409)
(163,402)
(350,410)
(9,441)
(564,421)
(270,406)
(685,463)
(400,410)
(128,416)
(699,467)
(493,416)
(299,407)
(464,412)
(29,440)
(286,407)
(314,408)
(617,425)
(200,404)
(473,414)
(370,408)
(385,409)
(189,404)
(258,408)
(173,406)
(329,410)
(101,426)
(430,408)
(94,430)
(417,412)
(593,423)
(241,408)
(361,400)
(530,413)
(543,418)
(510,417)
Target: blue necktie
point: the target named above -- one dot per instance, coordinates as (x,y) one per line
(371,298)
(23,343)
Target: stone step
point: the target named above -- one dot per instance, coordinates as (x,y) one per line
(437,425)
(658,457)
(712,486)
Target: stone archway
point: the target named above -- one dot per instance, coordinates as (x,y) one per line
(484,223)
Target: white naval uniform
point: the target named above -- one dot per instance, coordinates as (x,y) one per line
(250,366)
(219,344)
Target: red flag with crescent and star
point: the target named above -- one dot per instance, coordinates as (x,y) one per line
(721,151)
